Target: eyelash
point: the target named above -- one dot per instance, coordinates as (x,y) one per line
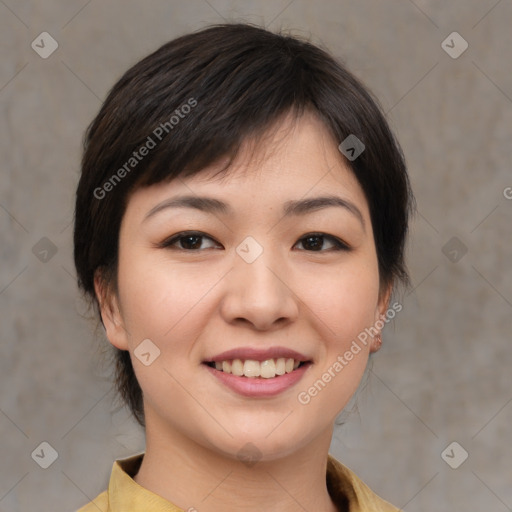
(339,245)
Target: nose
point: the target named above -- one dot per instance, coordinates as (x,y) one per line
(259,294)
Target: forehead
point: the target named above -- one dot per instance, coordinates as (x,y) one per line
(295,158)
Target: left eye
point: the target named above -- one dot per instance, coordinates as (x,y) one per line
(316,242)
(192,241)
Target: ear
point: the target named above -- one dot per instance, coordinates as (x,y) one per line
(110,313)
(380,315)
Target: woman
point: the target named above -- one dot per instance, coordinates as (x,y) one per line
(240,226)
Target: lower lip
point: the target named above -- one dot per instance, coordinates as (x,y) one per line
(258,386)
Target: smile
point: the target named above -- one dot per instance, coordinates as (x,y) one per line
(267,384)
(267,369)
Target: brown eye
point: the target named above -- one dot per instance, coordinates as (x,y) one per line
(186,241)
(315,242)
(192,241)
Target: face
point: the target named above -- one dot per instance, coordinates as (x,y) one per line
(264,279)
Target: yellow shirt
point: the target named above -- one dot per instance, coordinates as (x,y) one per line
(125,495)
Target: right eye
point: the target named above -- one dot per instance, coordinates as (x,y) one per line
(188,240)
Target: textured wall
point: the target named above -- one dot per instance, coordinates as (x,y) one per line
(443,373)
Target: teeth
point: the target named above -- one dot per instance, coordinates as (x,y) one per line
(252,368)
(280,366)
(237,367)
(264,369)
(268,369)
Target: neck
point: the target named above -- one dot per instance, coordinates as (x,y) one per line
(193,477)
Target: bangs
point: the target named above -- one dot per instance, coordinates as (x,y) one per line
(200,101)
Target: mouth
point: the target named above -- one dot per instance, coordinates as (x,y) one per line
(253,369)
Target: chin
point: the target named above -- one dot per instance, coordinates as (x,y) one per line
(263,445)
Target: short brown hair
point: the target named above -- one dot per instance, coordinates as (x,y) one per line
(237,80)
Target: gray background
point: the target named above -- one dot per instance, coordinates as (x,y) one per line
(443,373)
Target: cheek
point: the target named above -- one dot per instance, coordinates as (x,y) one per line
(167,304)
(344,305)
(164,302)
(344,299)
(147,289)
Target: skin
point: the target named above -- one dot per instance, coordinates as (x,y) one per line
(198,303)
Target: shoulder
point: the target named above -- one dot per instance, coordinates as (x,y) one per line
(99,504)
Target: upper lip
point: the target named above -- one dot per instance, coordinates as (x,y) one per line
(258,354)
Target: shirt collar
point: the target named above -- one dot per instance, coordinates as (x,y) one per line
(126,494)
(347,491)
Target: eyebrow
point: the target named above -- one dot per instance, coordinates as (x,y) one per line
(290,208)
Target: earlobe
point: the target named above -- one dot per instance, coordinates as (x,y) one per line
(110,314)
(376,343)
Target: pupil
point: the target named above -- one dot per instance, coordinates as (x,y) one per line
(191,237)
(313,244)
